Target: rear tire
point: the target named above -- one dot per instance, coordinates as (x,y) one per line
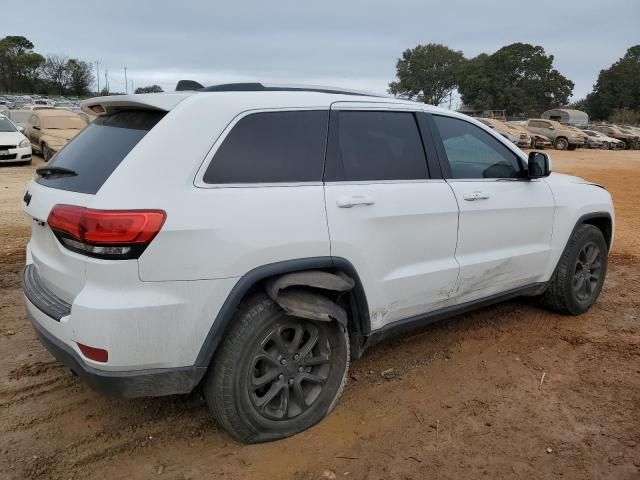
(579,276)
(275,375)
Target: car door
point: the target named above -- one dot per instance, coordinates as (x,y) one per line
(34,130)
(387,215)
(505,226)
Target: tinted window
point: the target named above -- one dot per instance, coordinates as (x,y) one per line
(98,149)
(473,153)
(272,147)
(376,146)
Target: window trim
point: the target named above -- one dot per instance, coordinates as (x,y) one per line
(422,128)
(199,182)
(444,159)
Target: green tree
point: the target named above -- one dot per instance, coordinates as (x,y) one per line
(427,73)
(149,89)
(80,76)
(30,67)
(12,48)
(617,87)
(517,78)
(579,105)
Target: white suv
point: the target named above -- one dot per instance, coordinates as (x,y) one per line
(250,240)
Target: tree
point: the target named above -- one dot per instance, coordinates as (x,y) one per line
(11,49)
(427,73)
(29,67)
(80,76)
(617,87)
(149,89)
(518,78)
(56,72)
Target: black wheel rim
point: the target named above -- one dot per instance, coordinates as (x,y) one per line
(588,272)
(289,370)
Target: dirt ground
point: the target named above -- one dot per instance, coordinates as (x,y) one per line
(510,391)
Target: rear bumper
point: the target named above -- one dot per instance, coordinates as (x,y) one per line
(48,314)
(139,383)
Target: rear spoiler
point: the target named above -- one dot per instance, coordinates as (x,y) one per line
(141,101)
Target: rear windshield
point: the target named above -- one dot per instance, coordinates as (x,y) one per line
(96,151)
(63,122)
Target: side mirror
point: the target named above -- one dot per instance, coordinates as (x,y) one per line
(551,128)
(539,165)
(20,128)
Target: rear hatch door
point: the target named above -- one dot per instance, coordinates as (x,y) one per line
(86,163)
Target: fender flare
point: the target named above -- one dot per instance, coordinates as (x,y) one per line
(360,328)
(291,291)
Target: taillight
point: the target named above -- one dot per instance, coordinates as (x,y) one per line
(114,234)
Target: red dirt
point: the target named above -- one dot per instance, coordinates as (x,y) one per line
(510,391)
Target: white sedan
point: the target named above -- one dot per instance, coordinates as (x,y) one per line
(14,146)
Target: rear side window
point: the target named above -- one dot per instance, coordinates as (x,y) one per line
(369,146)
(272,147)
(98,150)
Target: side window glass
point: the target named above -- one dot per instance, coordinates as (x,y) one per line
(473,153)
(272,147)
(376,145)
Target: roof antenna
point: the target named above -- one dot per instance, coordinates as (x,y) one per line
(184,85)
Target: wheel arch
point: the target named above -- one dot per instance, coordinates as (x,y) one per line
(600,220)
(358,322)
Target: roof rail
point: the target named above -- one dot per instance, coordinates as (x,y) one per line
(260,87)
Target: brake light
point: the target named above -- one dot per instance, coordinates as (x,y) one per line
(116,234)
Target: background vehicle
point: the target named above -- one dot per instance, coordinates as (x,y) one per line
(609,143)
(587,141)
(628,139)
(537,140)
(562,137)
(229,239)
(14,146)
(515,136)
(50,129)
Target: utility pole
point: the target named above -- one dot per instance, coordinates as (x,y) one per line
(132,90)
(98,74)
(126,84)
(106,80)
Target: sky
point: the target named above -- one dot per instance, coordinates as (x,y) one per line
(349,44)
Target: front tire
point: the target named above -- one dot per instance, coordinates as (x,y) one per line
(561,144)
(579,276)
(275,375)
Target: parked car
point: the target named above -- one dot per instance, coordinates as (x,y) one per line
(587,141)
(6,102)
(536,140)
(608,143)
(14,146)
(628,139)
(521,139)
(561,136)
(50,129)
(228,239)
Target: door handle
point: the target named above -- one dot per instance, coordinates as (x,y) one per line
(353,200)
(473,196)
